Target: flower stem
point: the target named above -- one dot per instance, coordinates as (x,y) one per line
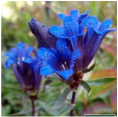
(33,107)
(73,102)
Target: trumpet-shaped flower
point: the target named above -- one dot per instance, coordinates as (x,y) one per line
(60,60)
(82,32)
(79,33)
(25,68)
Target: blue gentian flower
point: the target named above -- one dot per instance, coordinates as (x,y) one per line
(44,37)
(25,67)
(83,32)
(72,31)
(60,60)
(79,33)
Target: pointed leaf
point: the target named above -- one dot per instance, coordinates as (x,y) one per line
(61,99)
(100,81)
(89,69)
(66,109)
(62,111)
(86,86)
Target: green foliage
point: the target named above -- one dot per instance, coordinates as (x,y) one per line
(86,86)
(100,81)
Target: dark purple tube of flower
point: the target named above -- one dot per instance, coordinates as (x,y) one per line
(44,37)
(25,68)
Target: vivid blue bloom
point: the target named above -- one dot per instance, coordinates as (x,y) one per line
(82,32)
(44,37)
(25,67)
(60,60)
(79,38)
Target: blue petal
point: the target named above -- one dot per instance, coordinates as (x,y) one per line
(18,75)
(49,56)
(28,60)
(73,13)
(91,35)
(105,25)
(57,31)
(82,16)
(20,45)
(90,21)
(21,50)
(75,54)
(62,47)
(99,40)
(30,49)
(38,77)
(45,54)
(69,26)
(61,16)
(42,52)
(8,63)
(88,11)
(46,70)
(11,53)
(66,74)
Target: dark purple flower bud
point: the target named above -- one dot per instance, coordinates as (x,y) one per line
(45,38)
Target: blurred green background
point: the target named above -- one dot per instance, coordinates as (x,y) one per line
(15,17)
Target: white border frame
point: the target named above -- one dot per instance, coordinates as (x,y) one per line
(100,114)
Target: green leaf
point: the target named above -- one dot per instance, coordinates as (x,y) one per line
(100,81)
(24,112)
(61,99)
(89,69)
(65,109)
(85,85)
(62,111)
(2,112)
(46,107)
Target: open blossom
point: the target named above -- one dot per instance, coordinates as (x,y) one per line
(59,60)
(80,36)
(25,68)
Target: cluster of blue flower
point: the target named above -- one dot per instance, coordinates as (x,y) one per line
(65,50)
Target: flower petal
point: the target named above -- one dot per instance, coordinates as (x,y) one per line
(90,21)
(46,70)
(20,45)
(44,53)
(82,16)
(69,26)
(74,13)
(27,74)
(66,74)
(61,16)
(62,47)
(105,25)
(38,77)
(57,31)
(18,76)
(49,56)
(9,62)
(75,54)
